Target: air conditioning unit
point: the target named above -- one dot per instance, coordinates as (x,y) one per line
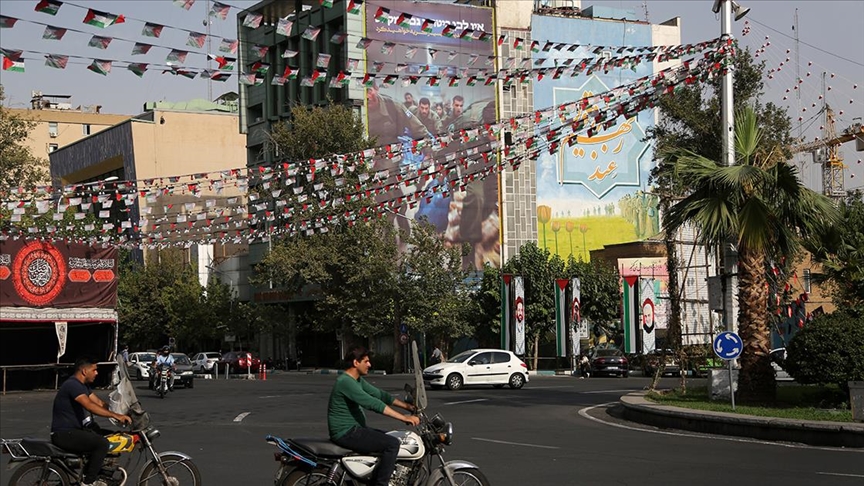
(52,134)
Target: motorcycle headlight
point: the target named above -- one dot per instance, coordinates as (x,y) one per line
(446,436)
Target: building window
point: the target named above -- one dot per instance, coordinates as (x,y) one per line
(85,129)
(52,130)
(807,280)
(52,147)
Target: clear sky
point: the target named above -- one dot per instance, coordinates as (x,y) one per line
(827,29)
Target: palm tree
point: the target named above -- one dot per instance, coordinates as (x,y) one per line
(760,205)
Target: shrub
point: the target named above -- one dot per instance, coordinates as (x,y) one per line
(830,350)
(383,361)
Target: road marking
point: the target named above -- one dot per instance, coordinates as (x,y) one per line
(271,396)
(547,387)
(468,401)
(612,391)
(584,413)
(841,474)
(515,443)
(240,417)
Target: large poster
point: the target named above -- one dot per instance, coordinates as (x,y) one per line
(403,112)
(595,189)
(39,274)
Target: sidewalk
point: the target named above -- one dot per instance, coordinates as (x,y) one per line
(817,433)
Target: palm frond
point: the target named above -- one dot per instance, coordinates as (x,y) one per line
(747,134)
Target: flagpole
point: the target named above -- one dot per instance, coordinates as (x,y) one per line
(209,49)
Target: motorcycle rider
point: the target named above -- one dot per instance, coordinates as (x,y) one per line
(72,425)
(347,421)
(164,358)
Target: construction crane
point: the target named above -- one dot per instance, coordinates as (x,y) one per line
(826,152)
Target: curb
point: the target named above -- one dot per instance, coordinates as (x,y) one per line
(338,372)
(818,433)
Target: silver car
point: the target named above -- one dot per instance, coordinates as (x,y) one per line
(139,364)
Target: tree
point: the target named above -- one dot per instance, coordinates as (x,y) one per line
(18,165)
(761,205)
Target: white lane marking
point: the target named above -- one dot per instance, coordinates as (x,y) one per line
(546,387)
(240,417)
(468,401)
(612,391)
(841,474)
(515,443)
(271,396)
(584,413)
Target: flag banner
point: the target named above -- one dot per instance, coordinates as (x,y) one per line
(629,316)
(226,63)
(505,312)
(99,42)
(352,64)
(56,61)
(216,75)
(519,316)
(196,39)
(404,20)
(354,6)
(62,330)
(100,66)
(338,37)
(364,43)
(289,54)
(7,22)
(219,10)
(410,52)
(139,68)
(247,79)
(427,26)
(578,327)
(53,33)
(13,66)
(49,7)
(152,30)
(14,54)
(387,48)
(177,55)
(307,82)
(561,334)
(259,51)
(229,46)
(184,4)
(252,20)
(323,60)
(311,33)
(102,19)
(382,14)
(277,81)
(648,318)
(283,27)
(260,68)
(327,3)
(140,48)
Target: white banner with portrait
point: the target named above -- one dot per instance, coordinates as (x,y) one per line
(519,316)
(62,328)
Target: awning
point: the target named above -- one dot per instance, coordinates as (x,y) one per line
(18,314)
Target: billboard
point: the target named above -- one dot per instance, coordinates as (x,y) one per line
(597,185)
(403,112)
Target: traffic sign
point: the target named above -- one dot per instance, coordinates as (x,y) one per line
(728,345)
(403,328)
(403,339)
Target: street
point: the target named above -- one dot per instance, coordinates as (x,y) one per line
(556,430)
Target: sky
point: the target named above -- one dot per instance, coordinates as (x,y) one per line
(831,39)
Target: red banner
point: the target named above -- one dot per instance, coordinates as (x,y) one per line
(40,274)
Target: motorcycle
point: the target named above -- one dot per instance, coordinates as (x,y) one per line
(420,461)
(163,380)
(40,462)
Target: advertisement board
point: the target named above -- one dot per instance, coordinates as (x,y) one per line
(400,112)
(595,189)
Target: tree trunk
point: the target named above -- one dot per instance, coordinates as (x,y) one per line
(673,329)
(536,349)
(756,379)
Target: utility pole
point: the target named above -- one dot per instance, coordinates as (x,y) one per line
(209,48)
(798,89)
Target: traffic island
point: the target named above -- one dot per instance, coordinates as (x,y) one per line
(818,433)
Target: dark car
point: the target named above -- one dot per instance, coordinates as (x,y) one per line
(652,360)
(183,374)
(239,362)
(609,361)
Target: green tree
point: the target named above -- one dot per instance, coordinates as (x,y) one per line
(761,205)
(18,165)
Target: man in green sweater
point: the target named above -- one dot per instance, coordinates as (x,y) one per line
(347,421)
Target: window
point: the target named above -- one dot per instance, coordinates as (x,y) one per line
(52,129)
(807,280)
(85,129)
(499,357)
(52,147)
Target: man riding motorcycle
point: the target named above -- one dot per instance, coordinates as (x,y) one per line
(164,358)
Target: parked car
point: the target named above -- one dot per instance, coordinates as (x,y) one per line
(139,364)
(609,361)
(239,362)
(778,361)
(183,373)
(652,360)
(494,367)
(205,362)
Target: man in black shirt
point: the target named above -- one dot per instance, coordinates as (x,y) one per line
(71,416)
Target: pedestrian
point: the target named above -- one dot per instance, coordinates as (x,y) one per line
(437,356)
(124,351)
(584,367)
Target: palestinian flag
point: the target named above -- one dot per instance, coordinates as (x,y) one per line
(283,27)
(448,30)
(229,46)
(139,68)
(469,33)
(382,15)
(327,3)
(404,21)
(289,73)
(13,66)
(102,19)
(368,80)
(184,4)
(140,48)
(219,76)
(253,20)
(471,81)
(535,46)
(364,43)
(152,30)
(311,33)
(219,10)
(196,39)
(100,66)
(177,55)
(434,81)
(99,42)
(427,26)
(259,51)
(454,81)
(248,79)
(225,63)
(338,38)
(14,54)
(53,33)
(502,39)
(354,6)
(518,44)
(49,7)
(260,68)
(389,80)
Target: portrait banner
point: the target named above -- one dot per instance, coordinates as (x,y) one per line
(62,329)
(628,317)
(519,316)
(561,333)
(648,315)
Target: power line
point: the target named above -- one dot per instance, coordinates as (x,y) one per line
(805,43)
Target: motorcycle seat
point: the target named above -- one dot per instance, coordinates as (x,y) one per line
(44,448)
(321,447)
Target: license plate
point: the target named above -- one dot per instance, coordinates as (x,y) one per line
(612,368)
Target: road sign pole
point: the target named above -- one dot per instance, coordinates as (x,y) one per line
(731,385)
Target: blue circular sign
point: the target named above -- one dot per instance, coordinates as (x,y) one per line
(728,345)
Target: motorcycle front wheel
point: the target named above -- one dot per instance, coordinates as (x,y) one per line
(181,472)
(466,477)
(31,473)
(305,478)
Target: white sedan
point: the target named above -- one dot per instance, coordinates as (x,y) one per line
(205,361)
(139,364)
(494,367)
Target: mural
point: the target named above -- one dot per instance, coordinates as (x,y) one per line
(598,185)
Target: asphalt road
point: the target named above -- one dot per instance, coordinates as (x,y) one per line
(555,431)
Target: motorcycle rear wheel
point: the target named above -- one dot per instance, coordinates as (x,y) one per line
(31,474)
(305,478)
(181,472)
(466,477)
